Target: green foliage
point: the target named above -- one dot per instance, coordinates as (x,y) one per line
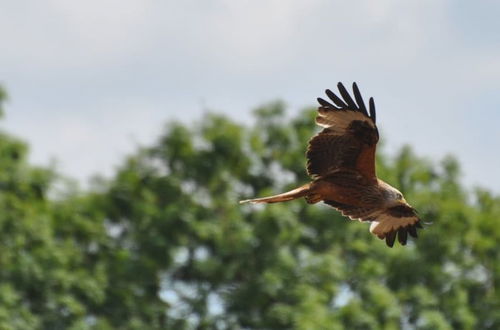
(165,245)
(48,276)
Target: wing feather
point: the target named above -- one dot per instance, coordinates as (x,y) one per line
(328,152)
(345,95)
(401,220)
(373,114)
(337,100)
(381,226)
(359,99)
(348,139)
(352,211)
(324,103)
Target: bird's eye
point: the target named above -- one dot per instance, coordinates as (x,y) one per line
(399,196)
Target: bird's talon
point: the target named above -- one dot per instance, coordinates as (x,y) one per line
(313,198)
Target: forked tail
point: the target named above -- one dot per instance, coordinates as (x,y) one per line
(284,197)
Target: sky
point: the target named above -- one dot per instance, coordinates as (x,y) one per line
(89,81)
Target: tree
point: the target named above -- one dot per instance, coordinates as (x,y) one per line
(219,264)
(50,277)
(165,245)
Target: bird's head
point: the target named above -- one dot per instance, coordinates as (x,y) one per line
(394,197)
(399,197)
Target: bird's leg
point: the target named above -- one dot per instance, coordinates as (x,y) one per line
(313,198)
(322,190)
(315,193)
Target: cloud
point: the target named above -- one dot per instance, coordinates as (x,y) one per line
(79,67)
(57,35)
(89,142)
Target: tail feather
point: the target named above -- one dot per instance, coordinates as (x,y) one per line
(284,197)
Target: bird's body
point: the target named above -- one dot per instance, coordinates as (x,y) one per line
(341,161)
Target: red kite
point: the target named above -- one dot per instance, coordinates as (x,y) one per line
(341,162)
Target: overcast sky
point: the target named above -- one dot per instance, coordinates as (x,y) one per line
(88,80)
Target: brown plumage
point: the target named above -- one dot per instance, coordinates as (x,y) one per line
(341,161)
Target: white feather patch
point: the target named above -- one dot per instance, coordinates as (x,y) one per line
(386,223)
(340,120)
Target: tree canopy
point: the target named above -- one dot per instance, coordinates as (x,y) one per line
(164,244)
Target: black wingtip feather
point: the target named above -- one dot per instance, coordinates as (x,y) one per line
(347,98)
(325,103)
(337,100)
(346,102)
(412,231)
(402,236)
(359,99)
(373,114)
(390,238)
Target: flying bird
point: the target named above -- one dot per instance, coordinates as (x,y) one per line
(341,162)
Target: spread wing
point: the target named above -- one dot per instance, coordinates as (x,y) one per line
(397,221)
(349,137)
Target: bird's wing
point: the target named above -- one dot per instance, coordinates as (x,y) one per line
(397,221)
(355,212)
(349,137)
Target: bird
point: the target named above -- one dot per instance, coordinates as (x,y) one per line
(341,163)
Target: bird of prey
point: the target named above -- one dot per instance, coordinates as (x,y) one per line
(341,162)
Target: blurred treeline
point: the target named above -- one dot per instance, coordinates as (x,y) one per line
(164,244)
